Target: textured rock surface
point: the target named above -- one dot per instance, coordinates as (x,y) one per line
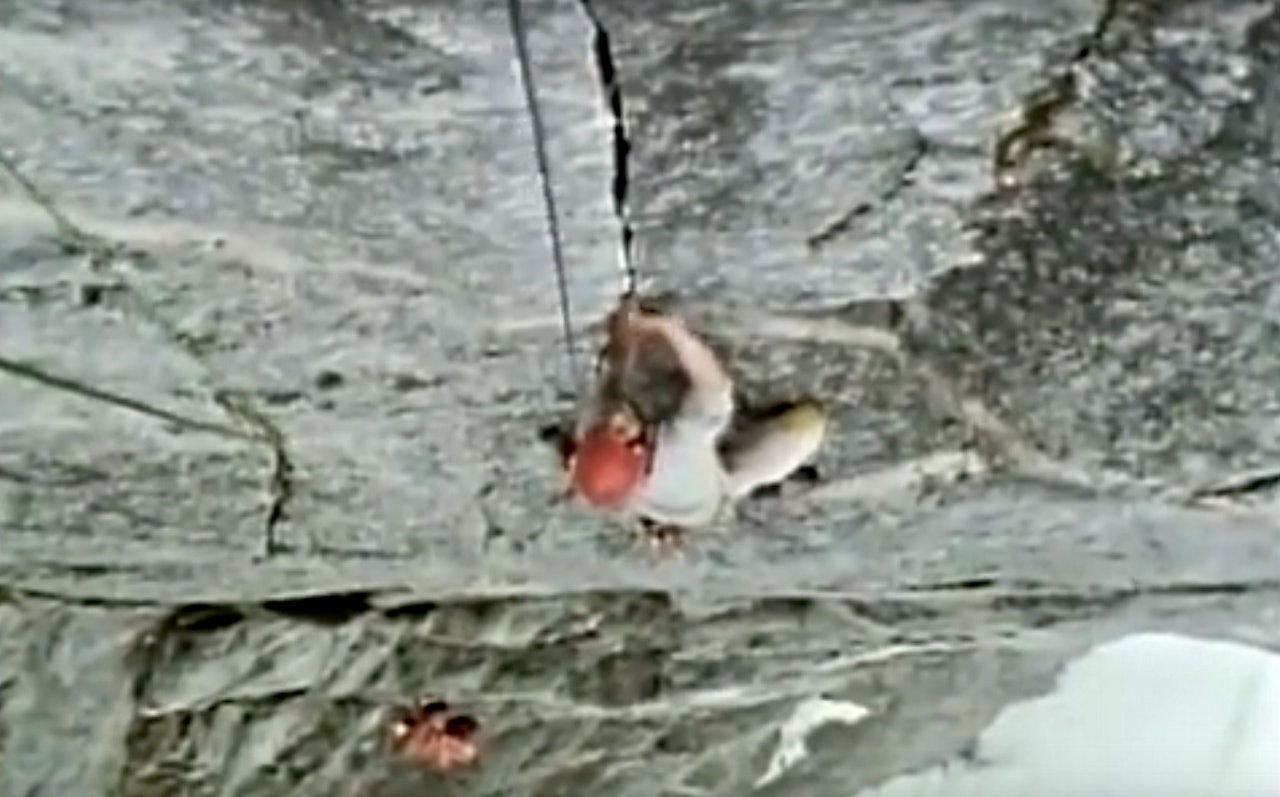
(1028,254)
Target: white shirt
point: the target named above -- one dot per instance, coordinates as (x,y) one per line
(687,483)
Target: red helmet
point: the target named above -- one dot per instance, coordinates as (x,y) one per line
(608,464)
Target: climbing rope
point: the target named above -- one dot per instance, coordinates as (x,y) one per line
(612,95)
(544,178)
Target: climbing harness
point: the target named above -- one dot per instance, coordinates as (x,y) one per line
(612,96)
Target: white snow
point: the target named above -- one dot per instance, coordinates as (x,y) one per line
(1149,714)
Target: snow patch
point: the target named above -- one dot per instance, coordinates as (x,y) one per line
(1149,714)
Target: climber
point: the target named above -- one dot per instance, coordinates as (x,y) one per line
(661,437)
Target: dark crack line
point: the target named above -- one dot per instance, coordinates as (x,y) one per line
(18,594)
(1239,486)
(280,476)
(40,376)
(1032,589)
(69,482)
(342,553)
(325,607)
(70,234)
(495,530)
(981,587)
(17,477)
(970,583)
(611,90)
(905,177)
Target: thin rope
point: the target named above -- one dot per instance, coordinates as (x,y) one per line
(611,90)
(544,178)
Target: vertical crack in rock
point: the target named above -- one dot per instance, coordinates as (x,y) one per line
(611,92)
(103,254)
(279,486)
(980,420)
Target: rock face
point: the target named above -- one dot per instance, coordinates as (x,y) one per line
(1027,253)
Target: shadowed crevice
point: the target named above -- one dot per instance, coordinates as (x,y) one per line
(611,90)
